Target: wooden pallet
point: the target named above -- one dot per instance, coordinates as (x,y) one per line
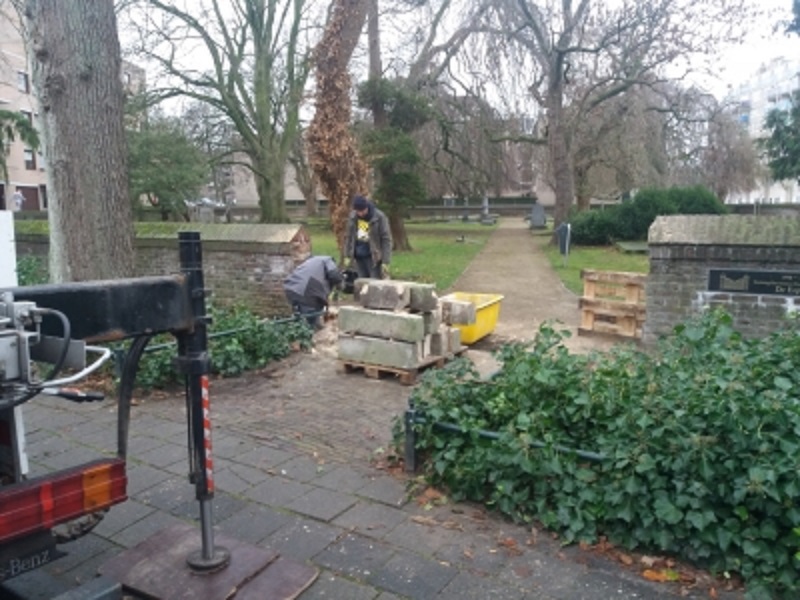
(613,303)
(406,376)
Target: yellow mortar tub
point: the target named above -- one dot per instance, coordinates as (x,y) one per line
(487,310)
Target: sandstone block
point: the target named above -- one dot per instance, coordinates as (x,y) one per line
(380,352)
(455,339)
(432,320)
(382,294)
(457,312)
(440,343)
(423,297)
(400,326)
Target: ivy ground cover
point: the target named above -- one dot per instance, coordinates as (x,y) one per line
(691,448)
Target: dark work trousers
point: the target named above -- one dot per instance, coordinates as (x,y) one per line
(312,314)
(365,268)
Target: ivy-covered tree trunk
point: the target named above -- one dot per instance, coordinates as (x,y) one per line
(75,54)
(333,150)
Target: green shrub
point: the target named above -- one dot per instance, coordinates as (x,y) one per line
(594,227)
(31,270)
(238,341)
(699,443)
(635,216)
(697,200)
(631,219)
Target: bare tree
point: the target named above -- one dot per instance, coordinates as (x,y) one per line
(402,105)
(248,60)
(609,47)
(621,145)
(304,175)
(75,54)
(717,152)
(465,148)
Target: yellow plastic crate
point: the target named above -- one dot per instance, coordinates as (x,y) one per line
(487,311)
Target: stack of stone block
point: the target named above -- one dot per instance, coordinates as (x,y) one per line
(400,325)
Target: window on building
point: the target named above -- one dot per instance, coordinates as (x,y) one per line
(23,82)
(30,159)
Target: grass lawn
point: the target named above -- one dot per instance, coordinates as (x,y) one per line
(441,250)
(601,258)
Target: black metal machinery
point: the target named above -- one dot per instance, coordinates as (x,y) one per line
(91,313)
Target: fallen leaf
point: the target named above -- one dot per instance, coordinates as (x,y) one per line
(469,554)
(661,575)
(712,593)
(507,543)
(425,521)
(625,559)
(648,561)
(430,496)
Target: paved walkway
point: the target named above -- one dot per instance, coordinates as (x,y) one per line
(513,264)
(295,451)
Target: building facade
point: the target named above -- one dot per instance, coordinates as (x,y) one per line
(27,167)
(770,88)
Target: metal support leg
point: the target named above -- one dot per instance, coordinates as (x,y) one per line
(194,362)
(411,439)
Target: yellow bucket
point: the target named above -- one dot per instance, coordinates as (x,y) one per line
(487,311)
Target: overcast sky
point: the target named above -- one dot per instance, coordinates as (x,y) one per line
(739,63)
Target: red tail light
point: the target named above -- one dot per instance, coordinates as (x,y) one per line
(41,503)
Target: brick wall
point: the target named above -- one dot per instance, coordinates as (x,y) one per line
(684,250)
(242,264)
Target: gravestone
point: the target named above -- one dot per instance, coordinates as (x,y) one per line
(538,217)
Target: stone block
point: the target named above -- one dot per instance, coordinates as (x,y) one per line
(400,326)
(423,297)
(382,294)
(432,320)
(380,352)
(440,342)
(455,339)
(457,312)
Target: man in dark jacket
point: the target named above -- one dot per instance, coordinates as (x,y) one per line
(368,239)
(307,287)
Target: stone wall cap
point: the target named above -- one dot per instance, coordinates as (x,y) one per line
(223,232)
(735,230)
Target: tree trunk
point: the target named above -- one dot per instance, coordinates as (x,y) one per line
(379,116)
(75,54)
(271,192)
(400,242)
(583,196)
(560,156)
(334,154)
(380,119)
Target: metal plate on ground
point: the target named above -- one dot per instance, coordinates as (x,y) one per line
(281,580)
(157,568)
